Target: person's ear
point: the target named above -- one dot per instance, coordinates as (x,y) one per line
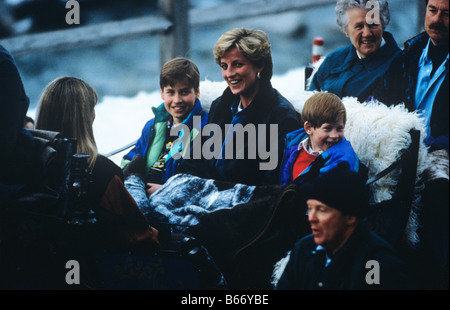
(197,93)
(346,32)
(261,69)
(308,127)
(351,220)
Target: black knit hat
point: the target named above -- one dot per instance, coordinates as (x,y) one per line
(343,190)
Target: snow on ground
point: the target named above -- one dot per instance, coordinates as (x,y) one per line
(119,120)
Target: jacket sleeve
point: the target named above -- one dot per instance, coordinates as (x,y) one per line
(391,87)
(316,83)
(339,153)
(317,80)
(122,219)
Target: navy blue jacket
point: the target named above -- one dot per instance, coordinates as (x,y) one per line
(345,75)
(268,107)
(347,270)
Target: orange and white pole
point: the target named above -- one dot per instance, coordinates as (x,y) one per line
(317,49)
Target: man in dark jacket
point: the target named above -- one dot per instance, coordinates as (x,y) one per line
(341,253)
(419,75)
(16,143)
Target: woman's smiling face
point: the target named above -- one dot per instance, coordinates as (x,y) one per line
(366,38)
(240,74)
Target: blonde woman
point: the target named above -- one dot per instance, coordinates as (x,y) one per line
(67,106)
(244,55)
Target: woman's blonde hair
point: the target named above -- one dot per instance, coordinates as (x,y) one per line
(67,106)
(254,44)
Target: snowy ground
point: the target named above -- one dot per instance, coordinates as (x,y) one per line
(119,120)
(113,130)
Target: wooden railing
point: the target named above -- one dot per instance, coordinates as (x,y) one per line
(172,24)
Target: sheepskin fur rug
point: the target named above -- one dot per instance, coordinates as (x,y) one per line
(378,134)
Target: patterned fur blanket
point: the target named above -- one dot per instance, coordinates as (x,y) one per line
(235,222)
(184,198)
(377,133)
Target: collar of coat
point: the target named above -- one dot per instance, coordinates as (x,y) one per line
(260,106)
(373,62)
(416,43)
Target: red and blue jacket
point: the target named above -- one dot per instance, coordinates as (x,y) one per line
(335,155)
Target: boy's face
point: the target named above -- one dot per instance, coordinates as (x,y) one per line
(325,136)
(179,100)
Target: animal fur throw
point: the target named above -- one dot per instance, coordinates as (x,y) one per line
(378,134)
(235,222)
(184,198)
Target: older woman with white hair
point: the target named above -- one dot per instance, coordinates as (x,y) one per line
(355,70)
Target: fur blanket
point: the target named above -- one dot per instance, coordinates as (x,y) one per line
(184,198)
(378,135)
(235,222)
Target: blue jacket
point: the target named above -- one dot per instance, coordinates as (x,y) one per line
(268,107)
(17,145)
(341,152)
(151,142)
(399,85)
(344,74)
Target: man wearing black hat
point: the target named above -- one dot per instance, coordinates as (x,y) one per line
(341,252)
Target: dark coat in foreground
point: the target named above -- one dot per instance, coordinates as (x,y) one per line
(350,268)
(268,108)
